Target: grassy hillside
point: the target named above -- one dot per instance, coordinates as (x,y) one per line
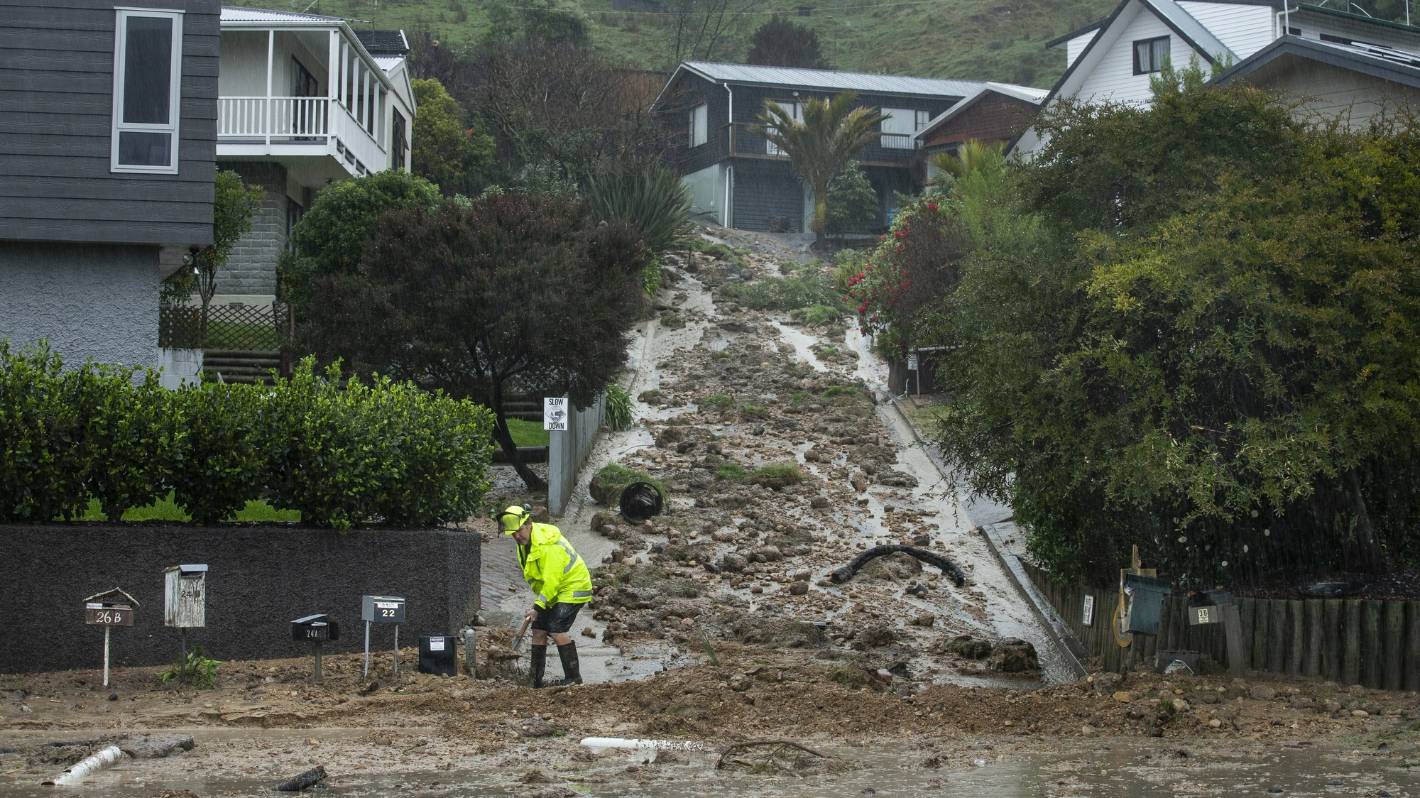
(971,39)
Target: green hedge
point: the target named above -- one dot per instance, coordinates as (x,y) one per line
(341,453)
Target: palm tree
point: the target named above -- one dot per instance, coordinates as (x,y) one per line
(830,135)
(973,155)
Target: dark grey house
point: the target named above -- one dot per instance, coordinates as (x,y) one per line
(740,179)
(107,149)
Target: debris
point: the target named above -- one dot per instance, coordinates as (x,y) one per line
(775,748)
(637,743)
(148,748)
(303,781)
(931,558)
(1013,655)
(105,757)
(969,647)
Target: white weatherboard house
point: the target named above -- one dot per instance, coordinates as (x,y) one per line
(303,100)
(1343,66)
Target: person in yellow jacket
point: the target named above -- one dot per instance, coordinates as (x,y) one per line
(560,583)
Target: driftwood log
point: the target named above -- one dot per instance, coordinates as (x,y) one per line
(304,781)
(850,570)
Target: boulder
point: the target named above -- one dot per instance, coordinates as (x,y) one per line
(969,647)
(1013,655)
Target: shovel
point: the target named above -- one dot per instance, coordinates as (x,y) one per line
(522,632)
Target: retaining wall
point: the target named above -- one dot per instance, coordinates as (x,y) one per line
(260,579)
(1351,641)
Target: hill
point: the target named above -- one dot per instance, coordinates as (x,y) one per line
(970,39)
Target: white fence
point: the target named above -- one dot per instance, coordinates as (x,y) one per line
(568,450)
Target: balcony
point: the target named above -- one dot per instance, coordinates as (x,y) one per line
(283,127)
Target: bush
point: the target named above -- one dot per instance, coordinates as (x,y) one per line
(652,200)
(128,436)
(777,475)
(216,459)
(804,288)
(852,202)
(42,469)
(618,407)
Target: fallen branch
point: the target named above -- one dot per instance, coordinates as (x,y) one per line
(304,781)
(779,745)
(930,557)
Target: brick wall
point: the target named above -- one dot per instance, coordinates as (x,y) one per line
(251,269)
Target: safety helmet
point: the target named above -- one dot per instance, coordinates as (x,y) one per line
(513,518)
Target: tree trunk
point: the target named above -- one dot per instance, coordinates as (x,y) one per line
(820,219)
(1370,555)
(505,441)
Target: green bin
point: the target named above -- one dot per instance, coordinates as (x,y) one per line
(1145,603)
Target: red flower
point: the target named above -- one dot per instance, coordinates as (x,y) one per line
(900,234)
(932,206)
(863,308)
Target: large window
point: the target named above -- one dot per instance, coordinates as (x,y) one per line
(899,126)
(796,111)
(699,127)
(147,73)
(1151,55)
(400,142)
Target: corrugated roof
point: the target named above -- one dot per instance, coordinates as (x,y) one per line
(388,62)
(836,81)
(263,15)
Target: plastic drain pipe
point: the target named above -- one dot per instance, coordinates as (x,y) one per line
(106,756)
(636,743)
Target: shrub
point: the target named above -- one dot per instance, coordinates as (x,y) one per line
(194,669)
(618,407)
(651,199)
(215,463)
(817,315)
(128,436)
(805,288)
(852,202)
(42,469)
(777,475)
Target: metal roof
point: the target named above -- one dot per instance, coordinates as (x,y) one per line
(388,62)
(1386,63)
(232,14)
(835,81)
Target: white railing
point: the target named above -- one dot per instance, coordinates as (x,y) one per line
(259,117)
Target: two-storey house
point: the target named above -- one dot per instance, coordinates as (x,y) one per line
(1340,66)
(304,100)
(108,116)
(738,177)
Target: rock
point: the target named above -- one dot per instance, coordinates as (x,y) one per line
(819,502)
(1123,696)
(896,479)
(1262,692)
(874,637)
(895,567)
(1331,706)
(740,683)
(859,482)
(1013,655)
(798,588)
(925,619)
(769,553)
(733,563)
(1215,724)
(1360,713)
(723,535)
(1179,705)
(969,647)
(667,437)
(536,727)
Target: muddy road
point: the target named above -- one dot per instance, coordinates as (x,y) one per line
(717,623)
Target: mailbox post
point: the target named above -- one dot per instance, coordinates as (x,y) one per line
(382,609)
(113,607)
(185,600)
(315,628)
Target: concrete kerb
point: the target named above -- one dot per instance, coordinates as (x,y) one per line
(1060,636)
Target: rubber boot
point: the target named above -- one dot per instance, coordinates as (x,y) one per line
(571,668)
(539,664)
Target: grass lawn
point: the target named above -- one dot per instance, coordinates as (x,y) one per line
(527,433)
(166,510)
(236,335)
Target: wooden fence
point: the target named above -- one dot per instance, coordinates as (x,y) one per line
(1351,641)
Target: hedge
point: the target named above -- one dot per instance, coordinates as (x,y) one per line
(342,453)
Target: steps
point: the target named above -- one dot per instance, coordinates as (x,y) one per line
(239,365)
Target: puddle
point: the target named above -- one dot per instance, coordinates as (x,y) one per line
(225,764)
(803,344)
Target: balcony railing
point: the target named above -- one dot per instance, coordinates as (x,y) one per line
(300,120)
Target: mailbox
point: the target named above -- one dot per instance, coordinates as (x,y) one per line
(109,608)
(185,596)
(382,609)
(1144,603)
(1206,607)
(315,627)
(437,655)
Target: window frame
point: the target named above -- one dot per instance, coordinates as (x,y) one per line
(699,124)
(1151,41)
(795,108)
(898,140)
(173,126)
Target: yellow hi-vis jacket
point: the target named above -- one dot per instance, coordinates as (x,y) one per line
(553,569)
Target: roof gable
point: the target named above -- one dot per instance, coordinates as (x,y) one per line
(1381,62)
(829,80)
(1033,96)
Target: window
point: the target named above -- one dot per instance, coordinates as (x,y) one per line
(796,111)
(699,133)
(899,125)
(1150,55)
(147,73)
(401,142)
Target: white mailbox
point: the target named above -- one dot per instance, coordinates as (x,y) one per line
(185,596)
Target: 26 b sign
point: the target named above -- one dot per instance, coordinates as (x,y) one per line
(99,615)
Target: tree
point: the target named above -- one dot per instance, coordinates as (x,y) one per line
(538,22)
(852,202)
(972,156)
(450,150)
(698,27)
(508,291)
(829,137)
(780,42)
(331,237)
(234,203)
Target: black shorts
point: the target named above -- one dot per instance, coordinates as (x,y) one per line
(556,619)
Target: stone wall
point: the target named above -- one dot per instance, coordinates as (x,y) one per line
(251,268)
(91,302)
(260,579)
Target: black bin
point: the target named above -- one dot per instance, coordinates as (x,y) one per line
(436,655)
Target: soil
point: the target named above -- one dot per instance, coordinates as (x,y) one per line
(717,622)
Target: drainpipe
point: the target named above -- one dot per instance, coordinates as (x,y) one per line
(730,167)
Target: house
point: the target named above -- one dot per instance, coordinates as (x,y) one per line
(741,179)
(107,151)
(304,100)
(997,114)
(1340,65)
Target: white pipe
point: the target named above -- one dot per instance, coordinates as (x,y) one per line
(105,757)
(635,743)
(730,167)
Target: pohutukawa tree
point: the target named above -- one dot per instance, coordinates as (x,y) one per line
(508,292)
(823,143)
